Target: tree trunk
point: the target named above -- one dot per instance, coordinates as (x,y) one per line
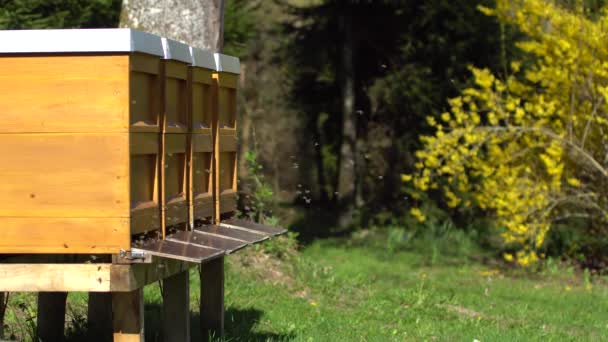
(199,23)
(317,128)
(347,175)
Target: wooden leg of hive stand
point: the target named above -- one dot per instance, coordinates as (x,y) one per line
(99,316)
(176,307)
(51,316)
(128,316)
(2,312)
(212,299)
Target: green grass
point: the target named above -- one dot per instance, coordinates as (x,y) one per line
(341,290)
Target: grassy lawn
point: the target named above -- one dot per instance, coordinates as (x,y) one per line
(340,291)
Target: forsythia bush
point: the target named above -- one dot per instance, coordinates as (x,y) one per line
(531,148)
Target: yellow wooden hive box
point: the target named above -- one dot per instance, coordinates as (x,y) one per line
(80,135)
(228,68)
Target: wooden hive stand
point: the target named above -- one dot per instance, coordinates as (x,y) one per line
(119,170)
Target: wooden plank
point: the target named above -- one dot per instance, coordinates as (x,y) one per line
(228,143)
(202,142)
(145,63)
(228,80)
(102,277)
(176,307)
(130,277)
(99,316)
(212,299)
(239,234)
(201,75)
(51,316)
(227,201)
(176,69)
(55,277)
(202,207)
(64,175)
(64,235)
(128,316)
(64,94)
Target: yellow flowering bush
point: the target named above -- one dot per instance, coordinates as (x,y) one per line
(530,148)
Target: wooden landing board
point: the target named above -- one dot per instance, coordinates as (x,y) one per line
(252,226)
(239,234)
(229,245)
(179,250)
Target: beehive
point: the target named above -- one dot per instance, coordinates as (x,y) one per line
(80,137)
(175,123)
(228,69)
(202,106)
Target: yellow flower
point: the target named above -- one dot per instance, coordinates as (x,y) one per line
(574,182)
(406,178)
(418,214)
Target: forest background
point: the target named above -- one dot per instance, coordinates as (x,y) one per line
(334,98)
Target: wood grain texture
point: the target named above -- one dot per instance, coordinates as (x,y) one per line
(202,207)
(51,316)
(176,307)
(64,175)
(128,316)
(104,277)
(212,299)
(99,316)
(64,235)
(55,277)
(227,201)
(202,142)
(228,142)
(130,277)
(64,94)
(176,212)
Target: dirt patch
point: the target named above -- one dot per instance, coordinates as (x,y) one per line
(461,310)
(267,267)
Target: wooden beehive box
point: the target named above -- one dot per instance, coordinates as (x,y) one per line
(202,106)
(175,122)
(228,69)
(80,133)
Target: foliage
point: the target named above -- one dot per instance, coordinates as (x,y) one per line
(239,26)
(530,148)
(409,58)
(260,196)
(43,14)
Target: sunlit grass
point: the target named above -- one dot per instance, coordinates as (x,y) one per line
(339,290)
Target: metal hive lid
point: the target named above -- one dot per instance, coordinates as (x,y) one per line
(174,50)
(80,41)
(202,58)
(225,63)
